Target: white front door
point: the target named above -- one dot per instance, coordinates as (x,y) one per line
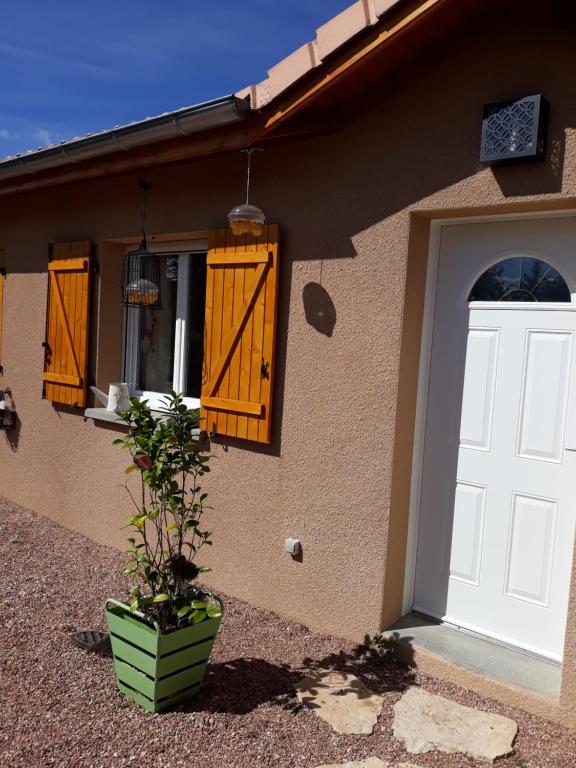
(498,492)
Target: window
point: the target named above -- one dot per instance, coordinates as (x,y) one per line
(214,339)
(522,278)
(164,347)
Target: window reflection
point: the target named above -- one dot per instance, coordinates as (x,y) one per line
(521,278)
(156,334)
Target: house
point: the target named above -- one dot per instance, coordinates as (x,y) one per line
(387,371)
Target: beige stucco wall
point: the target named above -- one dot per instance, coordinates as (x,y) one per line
(353,209)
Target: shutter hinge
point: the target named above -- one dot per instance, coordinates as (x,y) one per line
(43,391)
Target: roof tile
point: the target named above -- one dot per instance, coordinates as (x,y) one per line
(341,28)
(293,67)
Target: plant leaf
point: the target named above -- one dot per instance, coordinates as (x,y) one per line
(172,527)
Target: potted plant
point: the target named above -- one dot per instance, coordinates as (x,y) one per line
(162,639)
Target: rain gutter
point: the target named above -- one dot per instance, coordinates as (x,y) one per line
(171,125)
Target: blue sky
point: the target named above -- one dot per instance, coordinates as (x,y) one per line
(67,68)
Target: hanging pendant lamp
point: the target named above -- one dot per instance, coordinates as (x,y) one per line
(246,218)
(141,269)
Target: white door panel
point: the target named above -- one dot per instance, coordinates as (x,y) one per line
(498,492)
(479,388)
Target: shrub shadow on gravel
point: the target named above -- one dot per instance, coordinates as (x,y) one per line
(241,685)
(381,674)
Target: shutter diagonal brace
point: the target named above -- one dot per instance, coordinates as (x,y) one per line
(233,336)
(66,327)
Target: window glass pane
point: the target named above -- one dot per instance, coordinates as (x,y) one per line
(196,305)
(156,334)
(522,278)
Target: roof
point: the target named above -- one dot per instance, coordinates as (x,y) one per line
(329,39)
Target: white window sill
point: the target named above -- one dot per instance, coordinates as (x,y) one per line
(103,414)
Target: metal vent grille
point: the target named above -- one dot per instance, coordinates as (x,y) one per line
(513,130)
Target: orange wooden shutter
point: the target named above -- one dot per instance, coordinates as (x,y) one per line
(239,335)
(68,311)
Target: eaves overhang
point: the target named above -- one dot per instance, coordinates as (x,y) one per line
(188,121)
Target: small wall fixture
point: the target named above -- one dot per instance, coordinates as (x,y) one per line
(245,218)
(514,130)
(141,269)
(292,546)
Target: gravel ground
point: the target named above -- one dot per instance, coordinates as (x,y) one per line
(60,706)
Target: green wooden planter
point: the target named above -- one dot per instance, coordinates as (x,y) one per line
(154,670)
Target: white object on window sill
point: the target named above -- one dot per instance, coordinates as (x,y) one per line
(117,399)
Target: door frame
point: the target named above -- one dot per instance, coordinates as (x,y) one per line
(434,246)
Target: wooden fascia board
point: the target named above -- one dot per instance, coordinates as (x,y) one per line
(339,69)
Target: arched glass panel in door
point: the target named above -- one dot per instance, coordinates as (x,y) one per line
(521,278)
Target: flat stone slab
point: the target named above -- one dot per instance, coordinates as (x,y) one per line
(341,699)
(425,722)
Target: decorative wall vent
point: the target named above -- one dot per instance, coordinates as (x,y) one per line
(514,130)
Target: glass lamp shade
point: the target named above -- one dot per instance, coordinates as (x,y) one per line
(141,278)
(246,219)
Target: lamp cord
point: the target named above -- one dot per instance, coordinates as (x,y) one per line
(249,154)
(144,187)
(143,218)
(248,175)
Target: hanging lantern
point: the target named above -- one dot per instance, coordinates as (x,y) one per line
(141,278)
(245,218)
(141,269)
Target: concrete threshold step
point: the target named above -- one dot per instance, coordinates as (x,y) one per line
(479,654)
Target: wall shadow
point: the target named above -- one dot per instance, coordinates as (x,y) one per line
(319,308)
(13,435)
